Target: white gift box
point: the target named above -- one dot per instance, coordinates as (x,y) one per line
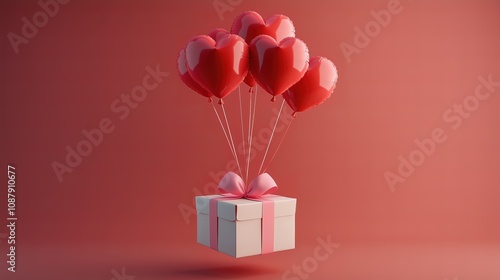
(239,224)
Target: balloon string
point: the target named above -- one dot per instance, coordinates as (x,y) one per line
(249,135)
(242,129)
(251,121)
(279,145)
(231,137)
(223,129)
(272,134)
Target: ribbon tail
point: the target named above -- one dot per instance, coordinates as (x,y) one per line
(267,226)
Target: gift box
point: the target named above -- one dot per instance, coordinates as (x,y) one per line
(242,227)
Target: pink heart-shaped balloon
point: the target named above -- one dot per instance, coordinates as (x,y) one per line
(219,67)
(186,77)
(315,87)
(250,24)
(277,67)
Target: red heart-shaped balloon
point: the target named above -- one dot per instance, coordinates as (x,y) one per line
(249,80)
(218,33)
(315,87)
(277,67)
(220,66)
(186,77)
(250,24)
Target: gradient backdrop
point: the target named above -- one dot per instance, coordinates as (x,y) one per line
(126,210)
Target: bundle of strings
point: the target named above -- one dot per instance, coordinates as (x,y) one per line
(247,153)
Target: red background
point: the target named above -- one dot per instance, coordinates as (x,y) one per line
(120,206)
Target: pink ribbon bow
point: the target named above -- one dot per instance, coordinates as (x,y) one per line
(232,185)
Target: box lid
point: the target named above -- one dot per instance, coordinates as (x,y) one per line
(245,209)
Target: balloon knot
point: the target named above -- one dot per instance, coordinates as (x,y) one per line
(273,99)
(250,90)
(210,100)
(221,102)
(294,115)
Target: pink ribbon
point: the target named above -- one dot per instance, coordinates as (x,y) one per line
(232,186)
